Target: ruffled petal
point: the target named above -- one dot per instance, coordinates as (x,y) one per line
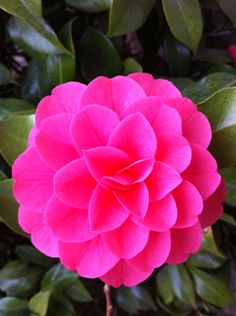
(174,150)
(68,224)
(184,242)
(126,241)
(189,204)
(162,181)
(74,185)
(135,136)
(91,258)
(32,176)
(202,171)
(30,221)
(116,93)
(53,141)
(125,274)
(105,211)
(92,126)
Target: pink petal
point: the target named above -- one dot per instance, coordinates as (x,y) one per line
(116,93)
(135,136)
(68,224)
(161,214)
(155,252)
(173,150)
(91,258)
(189,204)
(184,242)
(105,211)
(126,241)
(232,51)
(54,142)
(125,274)
(196,127)
(202,171)
(135,200)
(33,132)
(74,185)
(161,117)
(65,98)
(33,180)
(162,180)
(105,161)
(213,206)
(92,126)
(156,87)
(134,173)
(30,221)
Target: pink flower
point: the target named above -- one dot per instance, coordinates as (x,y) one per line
(232,51)
(117,179)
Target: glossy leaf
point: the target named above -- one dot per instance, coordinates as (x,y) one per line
(185,21)
(32,255)
(12,306)
(229,175)
(205,260)
(213,55)
(10,107)
(14,136)
(208,85)
(164,285)
(209,244)
(9,206)
(78,292)
(60,305)
(128,16)
(130,65)
(229,7)
(90,6)
(228,219)
(26,10)
(5,75)
(98,55)
(211,289)
(134,299)
(39,303)
(221,112)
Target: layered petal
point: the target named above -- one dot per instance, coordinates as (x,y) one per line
(54,142)
(74,185)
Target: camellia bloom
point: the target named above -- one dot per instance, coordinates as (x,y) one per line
(117,179)
(232,51)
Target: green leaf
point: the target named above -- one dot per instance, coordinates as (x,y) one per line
(2,175)
(209,244)
(211,289)
(220,110)
(9,206)
(130,65)
(98,55)
(164,285)
(14,136)
(229,176)
(134,299)
(228,219)
(91,6)
(78,292)
(204,88)
(18,279)
(60,305)
(12,306)
(185,21)
(10,107)
(128,16)
(39,303)
(65,35)
(213,55)
(181,83)
(5,75)
(58,277)
(26,10)
(205,260)
(32,255)
(229,7)
(182,284)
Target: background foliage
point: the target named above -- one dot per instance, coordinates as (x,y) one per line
(45,44)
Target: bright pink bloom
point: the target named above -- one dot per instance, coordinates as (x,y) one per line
(117,179)
(232,51)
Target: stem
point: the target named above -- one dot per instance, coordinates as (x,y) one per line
(107,291)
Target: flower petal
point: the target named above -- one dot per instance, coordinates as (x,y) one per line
(105,211)
(173,150)
(74,185)
(30,221)
(91,258)
(115,93)
(162,181)
(135,136)
(189,204)
(54,141)
(68,224)
(126,241)
(32,176)
(92,126)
